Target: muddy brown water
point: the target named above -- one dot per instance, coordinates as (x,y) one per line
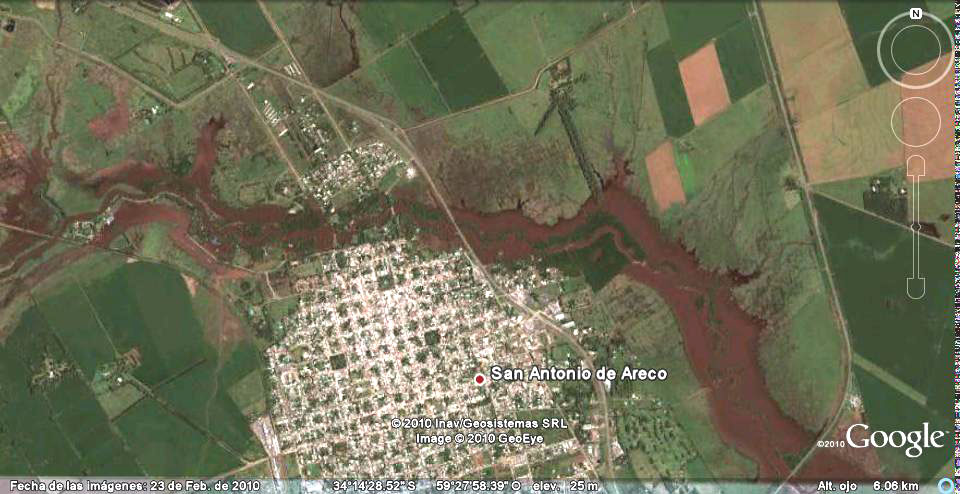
(722,346)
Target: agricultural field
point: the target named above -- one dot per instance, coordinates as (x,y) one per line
(816,56)
(386,24)
(849,140)
(669,90)
(397,85)
(916,42)
(74,335)
(870,264)
(457,64)
(223,18)
(694,23)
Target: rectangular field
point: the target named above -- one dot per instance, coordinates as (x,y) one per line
(395,85)
(240,25)
(693,23)
(739,56)
(388,22)
(668,87)
(455,60)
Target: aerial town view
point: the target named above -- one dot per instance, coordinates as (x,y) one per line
(641,246)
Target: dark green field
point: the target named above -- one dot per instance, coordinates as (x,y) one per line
(458,64)
(888,409)
(48,431)
(71,317)
(914,47)
(241,26)
(740,62)
(147,306)
(668,87)
(870,260)
(693,23)
(60,428)
(385,22)
(396,85)
(167,446)
(410,82)
(216,411)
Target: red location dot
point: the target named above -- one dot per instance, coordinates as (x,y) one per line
(479,379)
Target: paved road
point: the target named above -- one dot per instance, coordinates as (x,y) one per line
(773,74)
(392,132)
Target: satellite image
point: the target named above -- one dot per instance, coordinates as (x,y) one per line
(498,246)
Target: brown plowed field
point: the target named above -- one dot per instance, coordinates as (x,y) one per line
(815,53)
(920,121)
(704,84)
(664,177)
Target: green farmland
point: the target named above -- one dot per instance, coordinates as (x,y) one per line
(183,422)
(914,46)
(240,25)
(396,85)
(694,23)
(456,61)
(740,61)
(907,339)
(387,22)
(674,107)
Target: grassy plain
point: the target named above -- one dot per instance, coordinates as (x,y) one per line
(498,164)
(327,38)
(800,361)
(166,64)
(707,148)
(522,37)
(616,110)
